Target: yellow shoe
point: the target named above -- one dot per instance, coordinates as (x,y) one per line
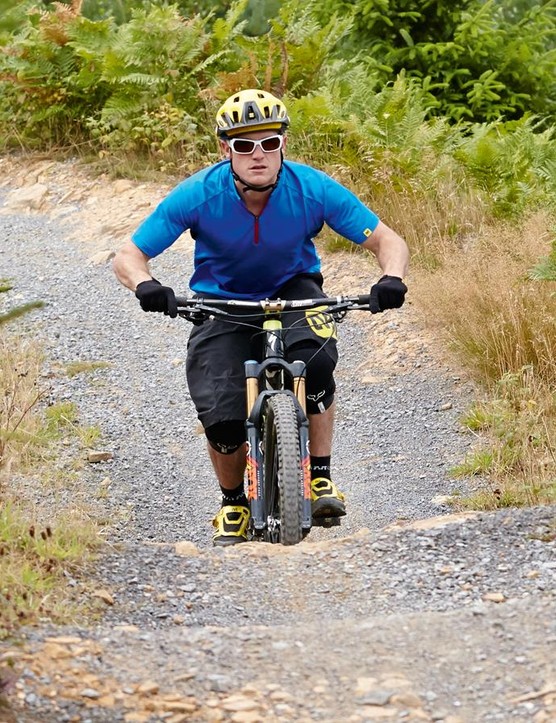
(231,522)
(326,499)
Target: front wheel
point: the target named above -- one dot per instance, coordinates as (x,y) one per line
(283,475)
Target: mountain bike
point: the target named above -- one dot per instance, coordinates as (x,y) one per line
(278,461)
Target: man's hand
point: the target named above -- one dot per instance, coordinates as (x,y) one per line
(155,297)
(388,293)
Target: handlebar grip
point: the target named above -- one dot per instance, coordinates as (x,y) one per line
(183,301)
(364,299)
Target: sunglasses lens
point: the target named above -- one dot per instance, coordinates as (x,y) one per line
(246,145)
(243,145)
(271,144)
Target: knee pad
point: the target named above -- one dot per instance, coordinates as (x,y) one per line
(320,383)
(226,437)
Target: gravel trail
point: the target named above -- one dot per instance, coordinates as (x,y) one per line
(380,619)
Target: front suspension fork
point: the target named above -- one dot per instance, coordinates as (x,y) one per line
(255,464)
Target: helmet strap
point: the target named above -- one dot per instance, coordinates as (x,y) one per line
(259,189)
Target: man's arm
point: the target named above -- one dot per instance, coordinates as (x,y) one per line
(131,266)
(390,250)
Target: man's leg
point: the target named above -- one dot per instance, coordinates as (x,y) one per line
(227,453)
(216,380)
(229,468)
(232,520)
(321,428)
(327,500)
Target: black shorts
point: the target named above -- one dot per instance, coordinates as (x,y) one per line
(217,350)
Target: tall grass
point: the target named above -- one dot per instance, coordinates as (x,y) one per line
(35,560)
(35,553)
(497,319)
(20,426)
(501,325)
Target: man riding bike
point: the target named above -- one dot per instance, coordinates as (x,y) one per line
(253,217)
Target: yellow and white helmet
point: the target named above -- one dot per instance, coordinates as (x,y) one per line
(251,110)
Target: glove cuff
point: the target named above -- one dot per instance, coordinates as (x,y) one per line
(386,277)
(143,283)
(148,281)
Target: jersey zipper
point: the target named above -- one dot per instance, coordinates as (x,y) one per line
(256,239)
(256,230)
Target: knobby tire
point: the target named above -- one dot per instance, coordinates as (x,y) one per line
(282,468)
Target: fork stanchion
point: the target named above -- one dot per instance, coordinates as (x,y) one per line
(254,462)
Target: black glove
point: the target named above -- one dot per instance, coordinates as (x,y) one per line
(155,297)
(388,293)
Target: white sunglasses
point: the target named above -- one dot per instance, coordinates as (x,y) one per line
(246,146)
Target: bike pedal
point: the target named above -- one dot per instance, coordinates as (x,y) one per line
(327,521)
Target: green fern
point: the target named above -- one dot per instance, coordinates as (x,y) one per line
(545,270)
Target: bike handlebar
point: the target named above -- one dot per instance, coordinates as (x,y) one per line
(334,303)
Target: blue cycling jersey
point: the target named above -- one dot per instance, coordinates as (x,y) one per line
(239,255)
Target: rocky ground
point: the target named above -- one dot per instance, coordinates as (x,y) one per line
(405,613)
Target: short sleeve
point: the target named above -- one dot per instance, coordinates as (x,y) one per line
(174,215)
(346,214)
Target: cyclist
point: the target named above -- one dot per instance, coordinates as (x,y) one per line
(253,217)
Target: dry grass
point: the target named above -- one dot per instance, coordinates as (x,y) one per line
(20,426)
(501,326)
(35,556)
(34,564)
(434,218)
(492,315)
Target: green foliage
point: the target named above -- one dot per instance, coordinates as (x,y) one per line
(258,14)
(150,85)
(13,15)
(518,433)
(513,162)
(155,68)
(18,311)
(35,560)
(85,367)
(478,60)
(545,270)
(49,76)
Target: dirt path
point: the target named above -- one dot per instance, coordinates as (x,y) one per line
(390,617)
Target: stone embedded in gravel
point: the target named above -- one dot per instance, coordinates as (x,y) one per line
(89,693)
(406,700)
(30,198)
(185,548)
(149,687)
(375,713)
(64,640)
(239,702)
(102,257)
(103,595)
(179,706)
(94,457)
(248,717)
(496,597)
(378,696)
